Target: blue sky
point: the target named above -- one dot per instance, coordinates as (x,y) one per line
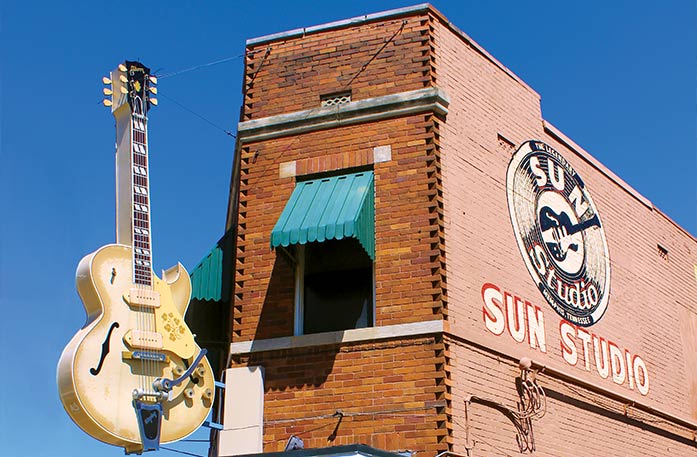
(619,78)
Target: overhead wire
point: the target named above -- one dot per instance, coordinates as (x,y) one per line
(197,67)
(365,65)
(209,64)
(340,415)
(206,120)
(181,452)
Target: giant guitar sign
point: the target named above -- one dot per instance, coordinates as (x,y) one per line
(133,376)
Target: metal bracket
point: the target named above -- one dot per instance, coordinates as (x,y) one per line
(211,424)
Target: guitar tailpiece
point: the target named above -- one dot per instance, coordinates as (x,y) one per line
(149,417)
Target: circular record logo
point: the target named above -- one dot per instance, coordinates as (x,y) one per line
(559,233)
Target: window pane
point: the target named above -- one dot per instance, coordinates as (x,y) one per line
(338,287)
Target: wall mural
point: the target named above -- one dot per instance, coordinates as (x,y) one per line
(563,245)
(559,233)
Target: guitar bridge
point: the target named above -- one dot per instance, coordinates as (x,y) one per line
(145,355)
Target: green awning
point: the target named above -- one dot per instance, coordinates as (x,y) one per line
(329,209)
(211,278)
(207,278)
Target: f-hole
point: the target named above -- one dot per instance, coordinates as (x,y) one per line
(105,350)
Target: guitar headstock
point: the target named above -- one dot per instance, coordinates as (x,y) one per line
(130,84)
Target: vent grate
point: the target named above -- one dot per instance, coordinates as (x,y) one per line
(336,99)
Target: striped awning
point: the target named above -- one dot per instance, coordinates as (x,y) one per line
(207,277)
(330,208)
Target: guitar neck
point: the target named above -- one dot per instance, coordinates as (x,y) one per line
(140,202)
(131,85)
(584,225)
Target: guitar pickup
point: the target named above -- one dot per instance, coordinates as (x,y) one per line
(145,355)
(139,339)
(142,297)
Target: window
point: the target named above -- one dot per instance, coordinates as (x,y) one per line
(330,224)
(334,287)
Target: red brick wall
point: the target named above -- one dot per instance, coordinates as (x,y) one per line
(407,288)
(296,71)
(390,393)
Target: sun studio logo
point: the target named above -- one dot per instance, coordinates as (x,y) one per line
(559,233)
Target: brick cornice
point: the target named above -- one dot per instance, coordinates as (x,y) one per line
(431,99)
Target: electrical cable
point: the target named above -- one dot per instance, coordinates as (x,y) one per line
(215,62)
(213,124)
(365,65)
(357,414)
(261,64)
(181,452)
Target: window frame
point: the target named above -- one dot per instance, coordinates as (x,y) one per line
(299,294)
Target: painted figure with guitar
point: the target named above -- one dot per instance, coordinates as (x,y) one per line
(133,376)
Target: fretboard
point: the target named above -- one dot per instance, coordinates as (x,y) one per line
(142,253)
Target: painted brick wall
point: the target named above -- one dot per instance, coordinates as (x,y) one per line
(653,300)
(389,392)
(577,421)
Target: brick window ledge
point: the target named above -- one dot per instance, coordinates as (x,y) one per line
(339,337)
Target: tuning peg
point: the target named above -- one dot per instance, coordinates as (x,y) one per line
(153,79)
(123,79)
(107,91)
(153,101)
(122,67)
(107,102)
(123,90)
(153,90)
(106,80)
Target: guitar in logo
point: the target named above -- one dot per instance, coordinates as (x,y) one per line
(559,233)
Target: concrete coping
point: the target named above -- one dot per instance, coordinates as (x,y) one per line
(368,110)
(338,24)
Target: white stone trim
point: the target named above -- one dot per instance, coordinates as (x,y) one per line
(368,110)
(340,337)
(382,154)
(287,169)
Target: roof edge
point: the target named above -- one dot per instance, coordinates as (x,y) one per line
(393,13)
(339,24)
(569,143)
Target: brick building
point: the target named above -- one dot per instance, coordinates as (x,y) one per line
(408,227)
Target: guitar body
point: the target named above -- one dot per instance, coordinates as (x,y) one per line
(103,363)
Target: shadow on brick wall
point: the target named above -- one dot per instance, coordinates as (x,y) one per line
(288,368)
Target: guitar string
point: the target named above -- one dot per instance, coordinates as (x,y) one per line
(136,270)
(149,286)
